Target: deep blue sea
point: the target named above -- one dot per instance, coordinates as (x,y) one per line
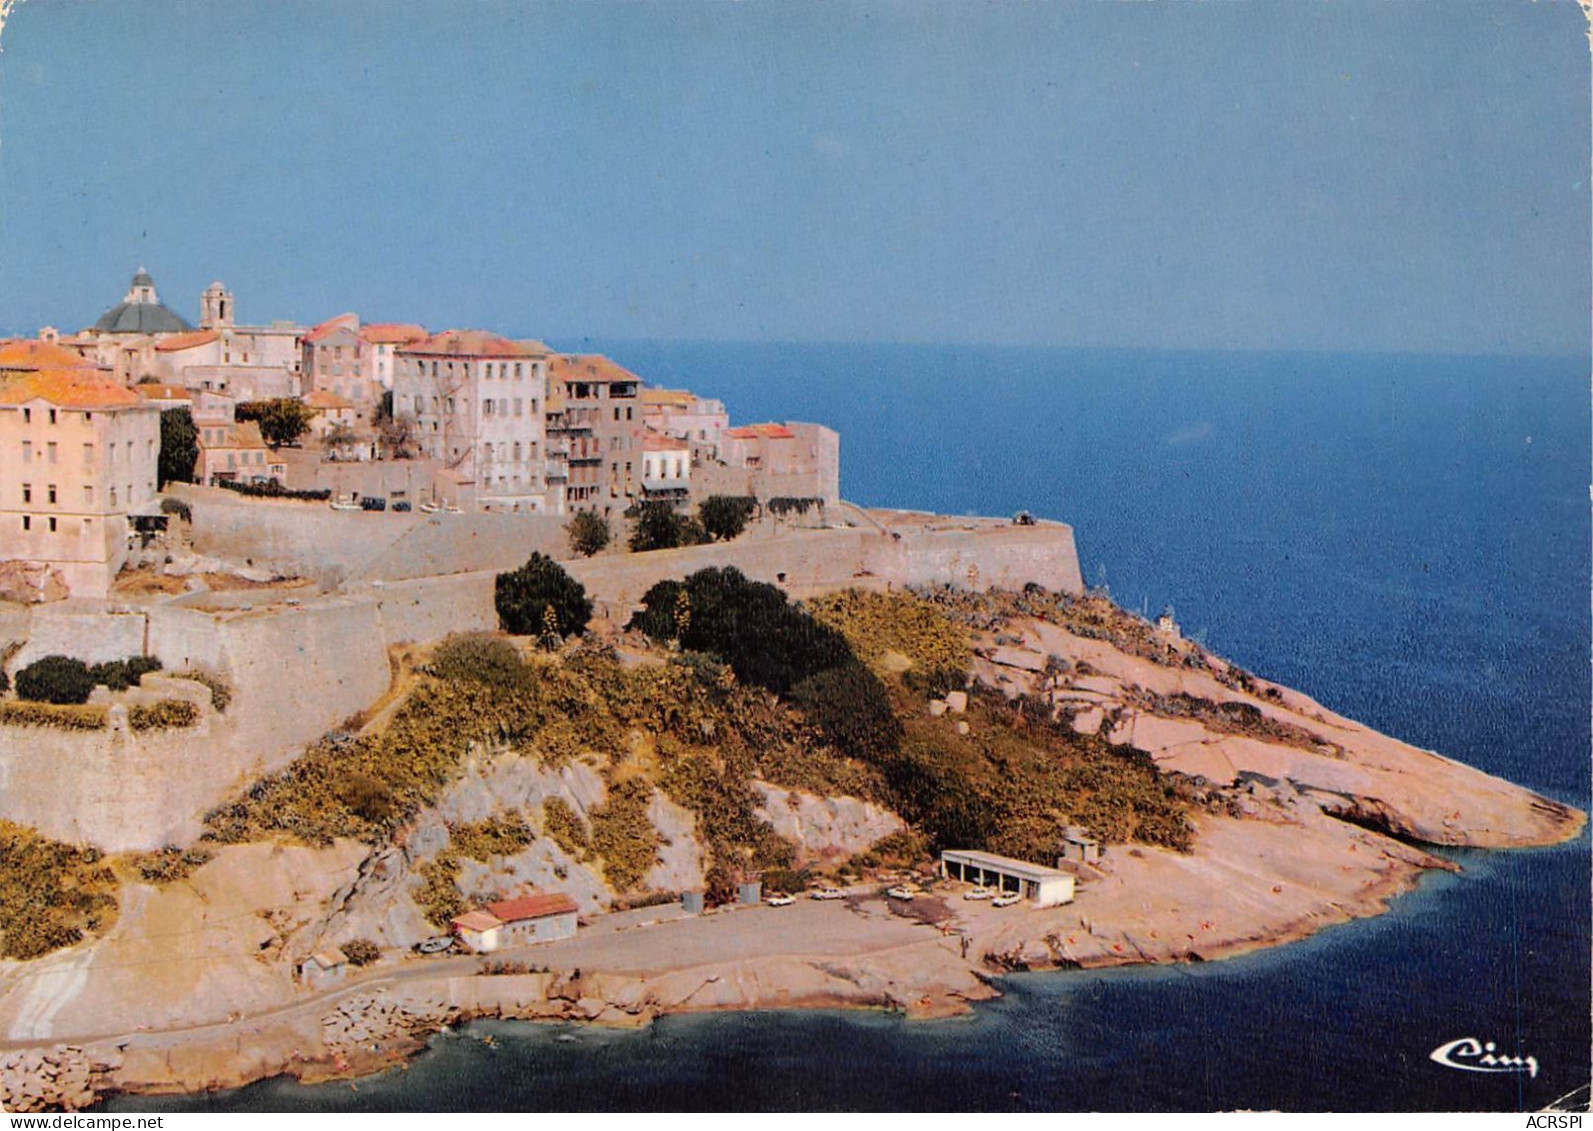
(1404,538)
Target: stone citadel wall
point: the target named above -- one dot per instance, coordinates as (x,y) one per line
(298,670)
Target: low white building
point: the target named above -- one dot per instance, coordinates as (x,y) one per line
(1046,887)
(666,467)
(518,922)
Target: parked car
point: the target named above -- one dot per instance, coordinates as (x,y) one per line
(978,893)
(1006,900)
(902,893)
(402,505)
(828,893)
(373,503)
(435,945)
(781,900)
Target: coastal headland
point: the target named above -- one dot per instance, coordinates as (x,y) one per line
(1293,818)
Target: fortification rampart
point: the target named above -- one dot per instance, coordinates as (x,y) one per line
(295,673)
(298,670)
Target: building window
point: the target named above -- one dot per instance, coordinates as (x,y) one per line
(88,455)
(27,522)
(486,407)
(52,525)
(52,416)
(27,492)
(628,412)
(517,451)
(51,490)
(52,451)
(27,416)
(88,496)
(518,407)
(517,370)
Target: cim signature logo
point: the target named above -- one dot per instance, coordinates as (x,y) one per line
(1471,1055)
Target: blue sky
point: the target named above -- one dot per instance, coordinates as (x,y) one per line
(1296,175)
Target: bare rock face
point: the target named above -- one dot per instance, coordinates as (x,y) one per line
(31,583)
(1196,720)
(680,863)
(825,828)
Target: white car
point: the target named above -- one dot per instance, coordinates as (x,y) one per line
(828,893)
(1006,900)
(780,901)
(903,893)
(978,893)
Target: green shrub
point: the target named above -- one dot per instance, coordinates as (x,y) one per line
(493,837)
(54,894)
(361,952)
(524,596)
(588,533)
(169,864)
(725,516)
(849,706)
(75,716)
(177,509)
(438,895)
(479,656)
(56,679)
(623,835)
(119,675)
(220,693)
(561,825)
(165,714)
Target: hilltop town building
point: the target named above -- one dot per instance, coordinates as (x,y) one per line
(598,431)
(478,402)
(794,460)
(354,361)
(78,456)
(235,452)
(686,416)
(666,468)
(21,356)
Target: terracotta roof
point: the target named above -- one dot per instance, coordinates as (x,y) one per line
(655,442)
(532,907)
(30,353)
(163,392)
(392,332)
(323,399)
(473,343)
(761,431)
(588,367)
(332,326)
(679,398)
(70,388)
(476,921)
(242,434)
(187,341)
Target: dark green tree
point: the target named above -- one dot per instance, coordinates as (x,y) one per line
(725,516)
(282,420)
(657,527)
(522,595)
(179,447)
(588,533)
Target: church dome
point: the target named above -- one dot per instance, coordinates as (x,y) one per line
(141,312)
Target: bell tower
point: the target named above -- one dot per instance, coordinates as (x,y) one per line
(215,307)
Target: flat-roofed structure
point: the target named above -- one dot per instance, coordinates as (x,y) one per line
(1047,887)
